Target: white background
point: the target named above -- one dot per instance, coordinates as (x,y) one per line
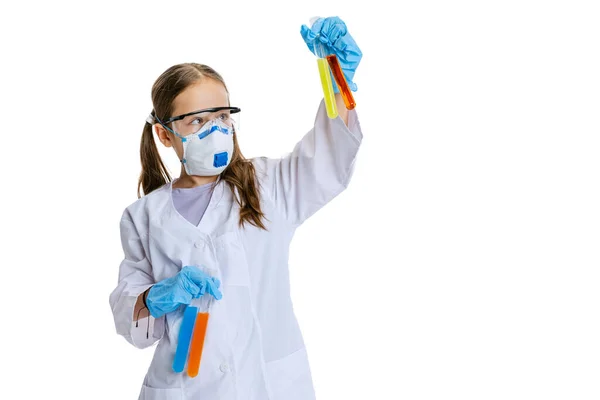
(461,263)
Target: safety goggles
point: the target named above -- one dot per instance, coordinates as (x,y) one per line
(190,123)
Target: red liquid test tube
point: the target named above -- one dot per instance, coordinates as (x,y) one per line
(197,344)
(340,80)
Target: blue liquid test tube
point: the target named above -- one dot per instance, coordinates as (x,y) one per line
(185,337)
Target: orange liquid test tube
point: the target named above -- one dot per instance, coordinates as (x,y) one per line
(197,344)
(340,80)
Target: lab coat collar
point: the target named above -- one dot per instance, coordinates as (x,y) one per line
(221,197)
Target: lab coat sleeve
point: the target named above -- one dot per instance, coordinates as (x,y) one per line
(135,276)
(317,170)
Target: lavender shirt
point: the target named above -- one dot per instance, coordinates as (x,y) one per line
(191,203)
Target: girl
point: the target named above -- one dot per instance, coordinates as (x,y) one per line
(222,231)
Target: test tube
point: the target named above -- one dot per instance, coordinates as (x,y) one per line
(340,80)
(197,344)
(328,94)
(184,338)
(324,73)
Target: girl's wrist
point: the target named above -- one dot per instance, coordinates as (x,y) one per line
(144,296)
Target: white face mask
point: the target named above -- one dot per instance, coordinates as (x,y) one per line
(208,151)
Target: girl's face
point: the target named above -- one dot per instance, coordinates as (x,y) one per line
(206,94)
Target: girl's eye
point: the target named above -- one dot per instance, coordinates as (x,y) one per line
(196,121)
(224,117)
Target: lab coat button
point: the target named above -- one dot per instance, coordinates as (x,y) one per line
(224,367)
(199,245)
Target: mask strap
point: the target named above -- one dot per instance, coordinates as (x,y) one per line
(153,119)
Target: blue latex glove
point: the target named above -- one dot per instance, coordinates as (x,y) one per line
(335,39)
(189,283)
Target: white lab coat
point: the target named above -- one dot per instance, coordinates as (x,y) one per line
(253,348)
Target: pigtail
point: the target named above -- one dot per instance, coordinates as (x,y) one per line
(154,173)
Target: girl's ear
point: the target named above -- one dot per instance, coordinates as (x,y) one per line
(163,136)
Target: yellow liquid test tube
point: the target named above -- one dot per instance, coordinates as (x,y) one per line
(328,94)
(325,74)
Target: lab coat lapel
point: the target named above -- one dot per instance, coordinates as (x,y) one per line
(220,201)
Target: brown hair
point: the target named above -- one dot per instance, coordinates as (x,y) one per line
(240,174)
